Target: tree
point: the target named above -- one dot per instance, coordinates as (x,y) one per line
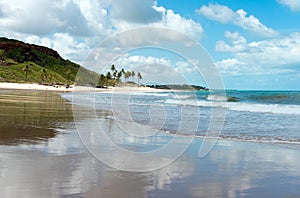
(123,73)
(115,74)
(127,75)
(2,55)
(132,74)
(108,76)
(26,69)
(113,68)
(119,75)
(102,80)
(44,75)
(139,76)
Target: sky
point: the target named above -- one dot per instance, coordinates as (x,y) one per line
(255,45)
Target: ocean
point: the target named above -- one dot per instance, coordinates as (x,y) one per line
(52,147)
(271,117)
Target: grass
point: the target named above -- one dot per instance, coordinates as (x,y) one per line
(11,71)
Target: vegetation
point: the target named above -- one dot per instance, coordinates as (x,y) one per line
(178,87)
(21,62)
(114,77)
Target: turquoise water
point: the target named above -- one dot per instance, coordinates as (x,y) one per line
(256,116)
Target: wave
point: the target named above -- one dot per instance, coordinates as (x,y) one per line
(151,94)
(239,106)
(256,139)
(222,98)
(244,138)
(267,108)
(183,96)
(216,98)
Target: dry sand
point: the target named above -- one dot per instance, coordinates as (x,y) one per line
(27,86)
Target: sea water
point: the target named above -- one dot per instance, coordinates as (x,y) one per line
(256,116)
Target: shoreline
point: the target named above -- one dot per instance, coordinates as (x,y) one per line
(231,167)
(73,88)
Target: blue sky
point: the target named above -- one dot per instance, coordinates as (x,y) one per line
(254,44)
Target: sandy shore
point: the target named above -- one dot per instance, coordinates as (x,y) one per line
(72,88)
(42,155)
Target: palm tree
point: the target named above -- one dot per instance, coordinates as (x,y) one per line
(44,75)
(102,80)
(113,68)
(115,74)
(132,74)
(127,75)
(123,73)
(119,75)
(139,75)
(108,76)
(26,69)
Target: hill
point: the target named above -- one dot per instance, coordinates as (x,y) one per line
(22,62)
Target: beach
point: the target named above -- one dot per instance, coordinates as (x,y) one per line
(47,151)
(73,88)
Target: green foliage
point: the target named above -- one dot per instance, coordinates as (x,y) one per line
(21,62)
(17,73)
(2,55)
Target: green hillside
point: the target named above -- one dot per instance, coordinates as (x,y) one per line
(21,62)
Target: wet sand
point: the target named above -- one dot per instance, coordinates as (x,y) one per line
(41,155)
(32,116)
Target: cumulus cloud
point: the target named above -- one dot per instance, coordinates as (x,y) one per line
(85,23)
(153,69)
(64,43)
(43,17)
(230,66)
(271,55)
(160,70)
(169,20)
(225,15)
(238,43)
(96,15)
(294,5)
(186,26)
(136,11)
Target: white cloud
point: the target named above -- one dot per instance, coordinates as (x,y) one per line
(96,15)
(169,20)
(266,56)
(230,66)
(217,12)
(238,43)
(224,14)
(80,25)
(64,43)
(159,70)
(178,23)
(294,5)
(43,17)
(135,11)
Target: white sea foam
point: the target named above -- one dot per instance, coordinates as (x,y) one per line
(217,98)
(266,108)
(256,139)
(239,106)
(151,94)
